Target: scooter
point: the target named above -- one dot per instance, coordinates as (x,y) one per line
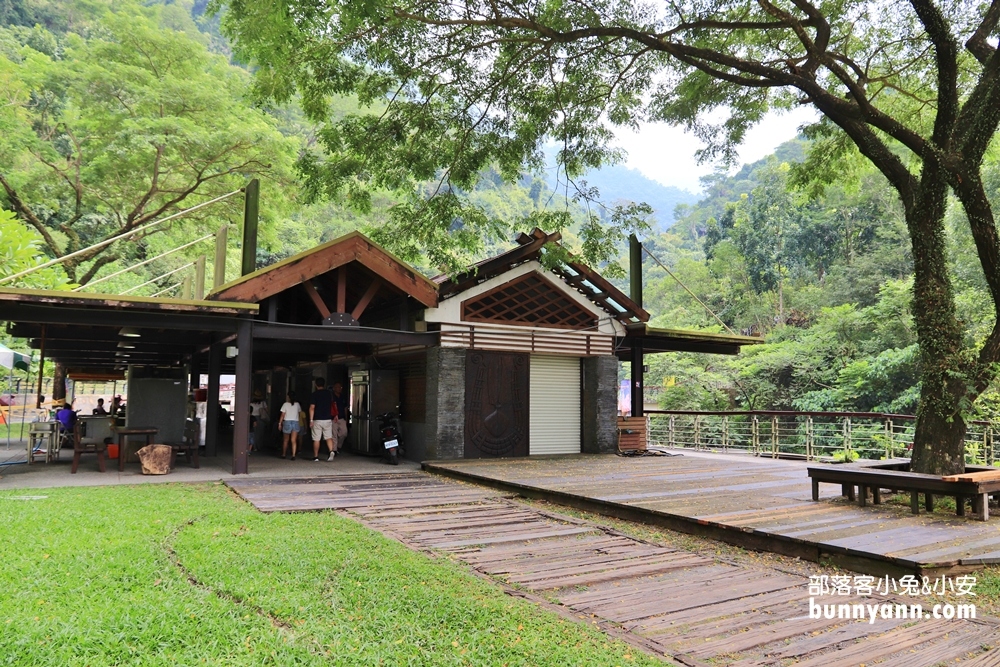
(390,431)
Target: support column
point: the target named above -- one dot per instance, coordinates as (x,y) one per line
(637,379)
(244,388)
(600,404)
(219,271)
(194,377)
(635,289)
(445,428)
(250,206)
(215,352)
(41,373)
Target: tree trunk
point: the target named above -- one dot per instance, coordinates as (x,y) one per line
(59,383)
(939,446)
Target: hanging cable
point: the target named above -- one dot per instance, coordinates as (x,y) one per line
(164,291)
(133,232)
(143,263)
(153,280)
(693,296)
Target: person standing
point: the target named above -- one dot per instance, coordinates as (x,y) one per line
(321,408)
(340,419)
(288,424)
(258,410)
(100,409)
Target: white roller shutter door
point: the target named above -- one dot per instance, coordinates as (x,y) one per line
(554,418)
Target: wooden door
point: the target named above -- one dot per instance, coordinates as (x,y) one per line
(496,404)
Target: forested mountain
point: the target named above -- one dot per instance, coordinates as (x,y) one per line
(619,183)
(96,139)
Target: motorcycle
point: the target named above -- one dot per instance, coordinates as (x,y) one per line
(390,431)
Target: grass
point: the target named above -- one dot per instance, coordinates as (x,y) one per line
(189,574)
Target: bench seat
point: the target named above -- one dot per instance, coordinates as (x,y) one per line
(889,476)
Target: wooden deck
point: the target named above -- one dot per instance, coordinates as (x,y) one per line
(690,608)
(758,503)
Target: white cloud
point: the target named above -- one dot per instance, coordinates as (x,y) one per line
(666,153)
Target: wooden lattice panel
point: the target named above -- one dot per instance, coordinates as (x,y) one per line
(530,300)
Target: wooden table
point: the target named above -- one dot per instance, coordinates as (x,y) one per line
(124,433)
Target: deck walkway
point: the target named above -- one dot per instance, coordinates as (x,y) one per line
(763,504)
(691,608)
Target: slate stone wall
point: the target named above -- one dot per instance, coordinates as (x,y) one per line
(445,434)
(600,405)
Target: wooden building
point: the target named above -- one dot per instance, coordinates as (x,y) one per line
(510,358)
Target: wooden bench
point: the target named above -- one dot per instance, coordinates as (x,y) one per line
(896,476)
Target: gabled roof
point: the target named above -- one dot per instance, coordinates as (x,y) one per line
(579,276)
(298,269)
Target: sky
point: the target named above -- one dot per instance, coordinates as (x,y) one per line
(666,154)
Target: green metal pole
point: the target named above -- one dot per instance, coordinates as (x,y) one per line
(250,211)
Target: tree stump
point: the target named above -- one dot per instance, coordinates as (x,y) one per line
(155,459)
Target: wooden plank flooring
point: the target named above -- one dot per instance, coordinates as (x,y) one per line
(688,607)
(758,500)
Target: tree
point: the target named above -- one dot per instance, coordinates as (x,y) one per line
(913,86)
(121,129)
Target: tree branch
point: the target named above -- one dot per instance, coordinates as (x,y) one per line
(946,54)
(28,215)
(977,44)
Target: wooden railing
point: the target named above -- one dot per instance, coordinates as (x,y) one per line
(806,435)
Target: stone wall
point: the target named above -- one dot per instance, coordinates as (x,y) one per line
(444,437)
(600,405)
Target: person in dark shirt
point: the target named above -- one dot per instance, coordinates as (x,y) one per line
(66,418)
(321,407)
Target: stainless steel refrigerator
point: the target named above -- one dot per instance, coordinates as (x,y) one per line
(373,392)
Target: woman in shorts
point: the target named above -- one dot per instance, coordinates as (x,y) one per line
(288,424)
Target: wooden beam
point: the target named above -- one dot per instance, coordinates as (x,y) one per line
(316,299)
(598,281)
(497,264)
(354,247)
(341,290)
(330,334)
(366,298)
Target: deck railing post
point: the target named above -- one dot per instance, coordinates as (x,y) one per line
(890,447)
(725,434)
(755,436)
(670,432)
(847,434)
(697,431)
(809,438)
(774,436)
(989,444)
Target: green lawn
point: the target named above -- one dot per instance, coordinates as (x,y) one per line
(190,574)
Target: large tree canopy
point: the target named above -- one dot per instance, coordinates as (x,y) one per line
(455,86)
(103,135)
